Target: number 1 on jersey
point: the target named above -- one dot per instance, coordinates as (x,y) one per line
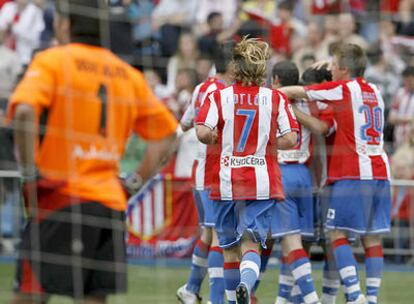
(103,97)
(250,115)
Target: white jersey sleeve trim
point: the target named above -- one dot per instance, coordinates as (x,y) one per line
(331,94)
(189,114)
(283,120)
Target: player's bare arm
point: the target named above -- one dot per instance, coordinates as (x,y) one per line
(156,153)
(25,131)
(185,127)
(316,126)
(287,141)
(206,135)
(294,92)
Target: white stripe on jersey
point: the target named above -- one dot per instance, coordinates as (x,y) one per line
(189,114)
(265,118)
(302,154)
(283,119)
(365,166)
(212,116)
(381,103)
(333,94)
(227,107)
(202,148)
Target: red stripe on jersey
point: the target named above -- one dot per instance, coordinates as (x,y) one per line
(344,160)
(275,180)
(216,154)
(212,150)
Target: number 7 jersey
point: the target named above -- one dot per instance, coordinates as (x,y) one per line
(248,121)
(358,145)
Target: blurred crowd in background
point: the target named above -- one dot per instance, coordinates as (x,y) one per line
(173,42)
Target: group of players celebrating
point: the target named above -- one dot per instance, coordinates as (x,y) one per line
(254,182)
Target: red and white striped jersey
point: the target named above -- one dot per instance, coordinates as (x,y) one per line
(248,121)
(302,152)
(202,176)
(402,107)
(358,145)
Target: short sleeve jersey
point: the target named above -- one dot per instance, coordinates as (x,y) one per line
(88,102)
(358,145)
(205,153)
(248,121)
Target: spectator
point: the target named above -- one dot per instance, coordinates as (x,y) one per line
(313,46)
(47,35)
(185,57)
(402,109)
(286,31)
(10,68)
(390,52)
(228,9)
(171,17)
(208,42)
(383,74)
(185,83)
(265,8)
(120,28)
(154,80)
(405,16)
(22,23)
(322,7)
(402,166)
(143,36)
(347,28)
(204,67)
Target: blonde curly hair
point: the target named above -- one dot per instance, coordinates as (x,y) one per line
(249,58)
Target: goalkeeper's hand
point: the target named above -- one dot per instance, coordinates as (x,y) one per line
(132,183)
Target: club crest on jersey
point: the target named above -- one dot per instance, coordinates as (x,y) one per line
(245,161)
(331,214)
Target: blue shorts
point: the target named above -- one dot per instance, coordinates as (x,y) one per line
(295,213)
(360,206)
(235,218)
(204,208)
(322,201)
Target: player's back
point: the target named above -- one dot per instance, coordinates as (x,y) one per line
(249,119)
(89,101)
(362,131)
(358,145)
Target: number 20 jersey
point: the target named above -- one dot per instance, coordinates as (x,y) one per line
(248,120)
(358,145)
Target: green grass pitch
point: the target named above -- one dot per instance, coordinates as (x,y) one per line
(157,285)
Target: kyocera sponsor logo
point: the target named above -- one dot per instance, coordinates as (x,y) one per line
(240,162)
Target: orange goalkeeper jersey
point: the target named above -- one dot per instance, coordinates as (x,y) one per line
(88,102)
